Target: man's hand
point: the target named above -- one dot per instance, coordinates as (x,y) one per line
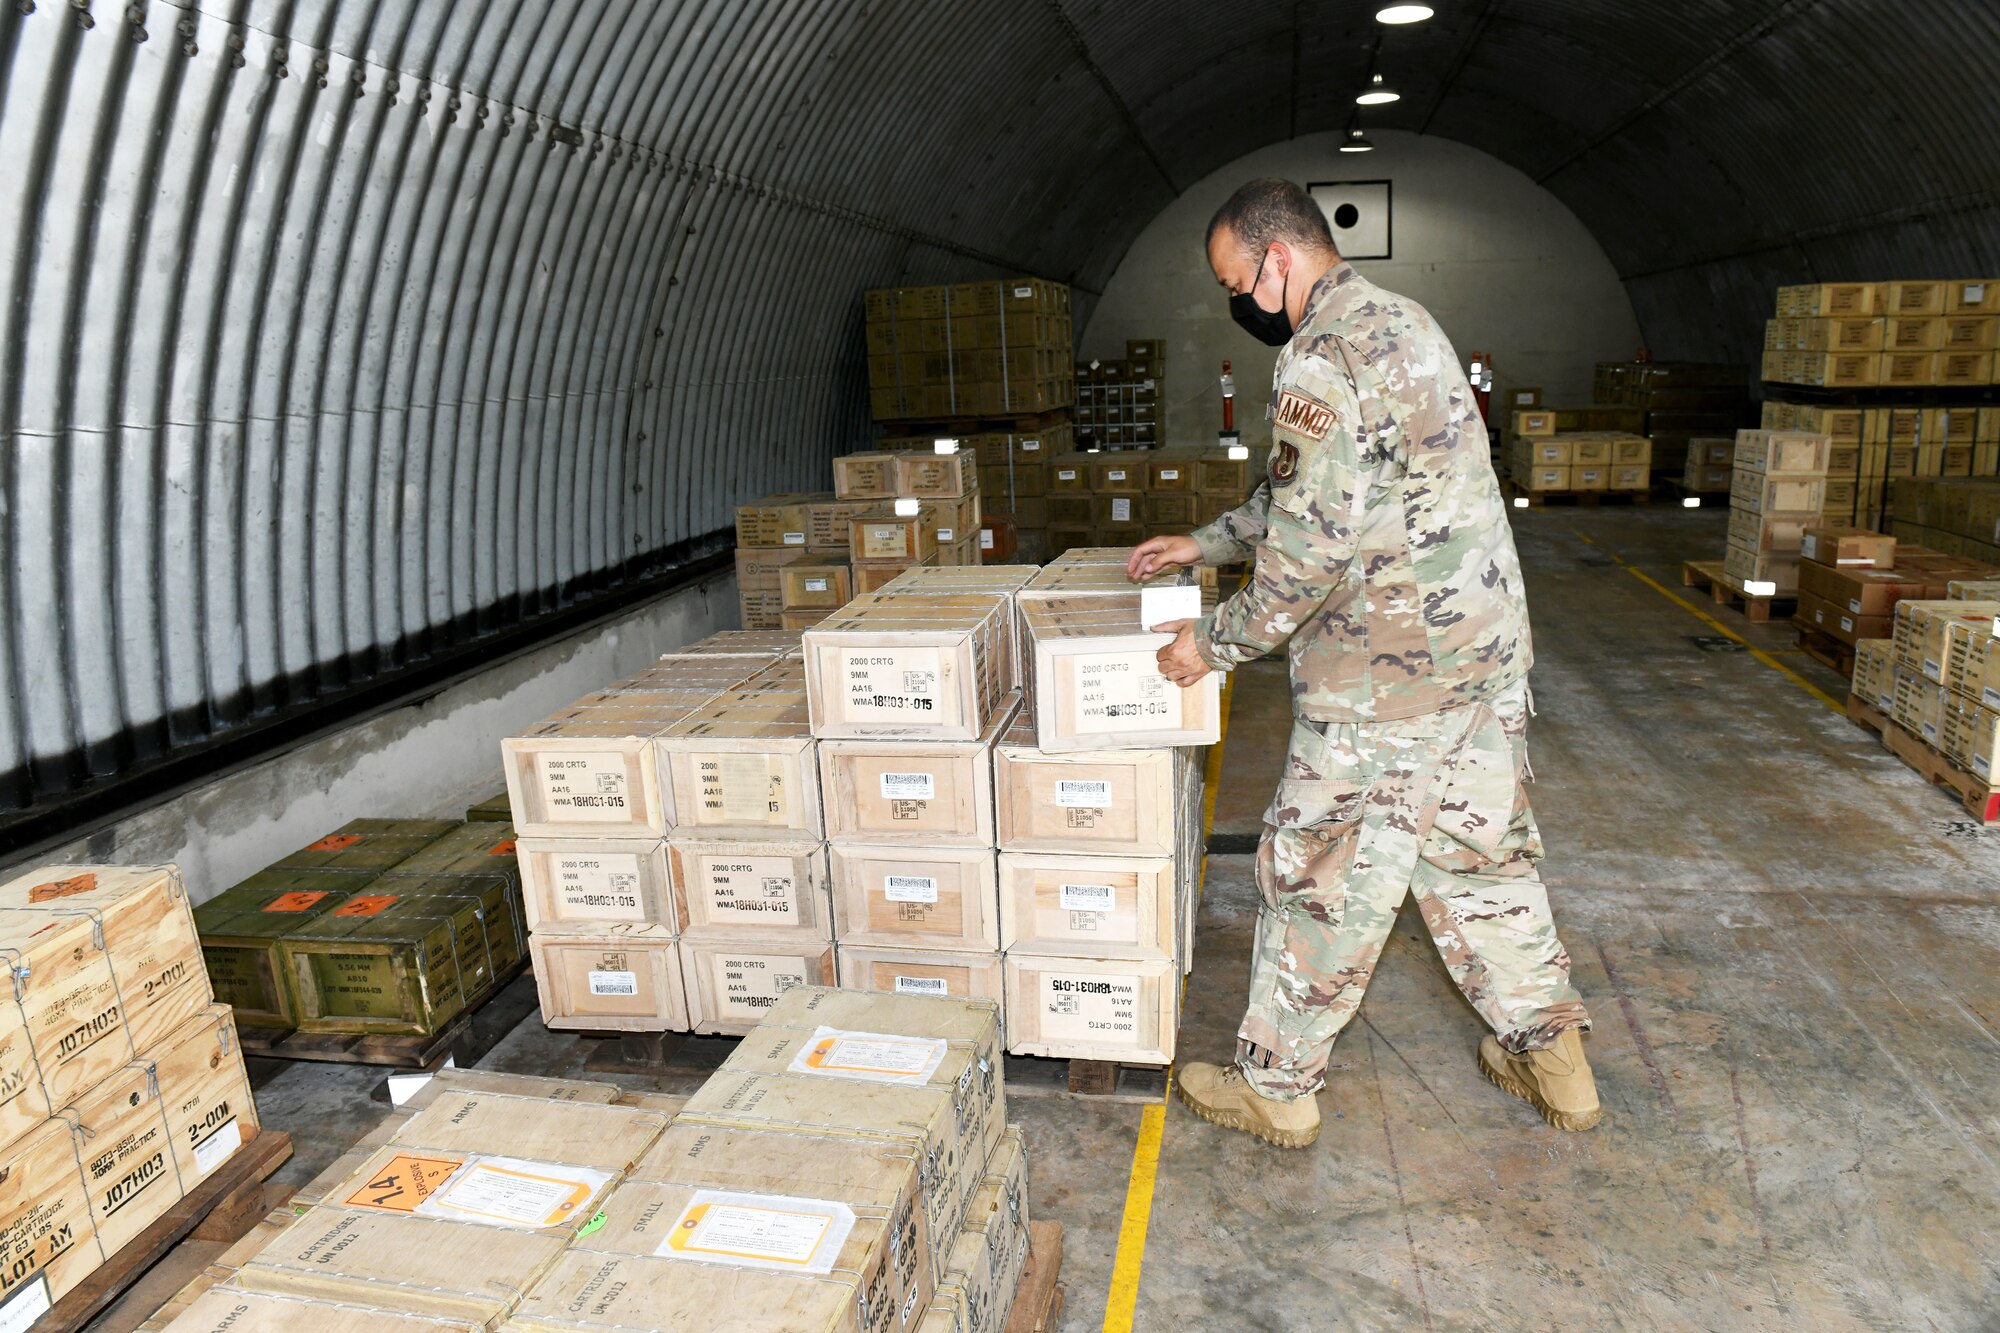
(1158,553)
(1179,662)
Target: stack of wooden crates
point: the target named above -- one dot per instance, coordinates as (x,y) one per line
(849,1169)
(1545,460)
(1100,500)
(121,1082)
(1778,491)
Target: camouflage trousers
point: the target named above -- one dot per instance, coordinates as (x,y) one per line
(1365,814)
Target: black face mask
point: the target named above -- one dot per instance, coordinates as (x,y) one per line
(1273,328)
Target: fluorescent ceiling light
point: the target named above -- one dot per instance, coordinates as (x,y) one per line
(1378,94)
(1357,142)
(1404,14)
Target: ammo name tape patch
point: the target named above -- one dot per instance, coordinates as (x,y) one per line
(1304,416)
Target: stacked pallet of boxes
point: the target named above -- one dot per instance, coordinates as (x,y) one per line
(969,350)
(1681,400)
(1122,404)
(1710,462)
(1958,517)
(595,797)
(1776,493)
(1545,460)
(1937,680)
(1862,335)
(910,687)
(1120,499)
(913,508)
(1098,798)
(121,1082)
(849,1169)
(1851,581)
(1013,483)
(1876,447)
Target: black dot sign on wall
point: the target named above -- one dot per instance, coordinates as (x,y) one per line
(1358,212)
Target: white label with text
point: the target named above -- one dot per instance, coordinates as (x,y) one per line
(587,787)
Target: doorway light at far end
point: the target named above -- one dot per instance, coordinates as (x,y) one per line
(1401,14)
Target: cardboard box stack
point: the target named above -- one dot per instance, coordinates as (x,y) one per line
(1776,493)
(849,1169)
(1875,448)
(1545,460)
(1122,404)
(1937,679)
(972,349)
(705,746)
(1851,581)
(123,1081)
(1681,400)
(1118,499)
(1863,335)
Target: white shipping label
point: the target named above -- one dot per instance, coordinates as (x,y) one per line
(910,888)
(1023,293)
(1973,293)
(900,683)
(986,539)
(920,986)
(815,585)
(1088,897)
(1809,546)
(947,534)
(586,786)
(1065,474)
(1854,605)
(1115,474)
(604,884)
(614,983)
(760,889)
(760,1230)
(1121,509)
(741,789)
(1081,1007)
(909,787)
(878,1057)
(1982,765)
(1990,697)
(1847,624)
(508,1191)
(1031,446)
(1083,793)
(795,539)
(216,1149)
(752,983)
(25,1306)
(1164,605)
(1170,474)
(1124,692)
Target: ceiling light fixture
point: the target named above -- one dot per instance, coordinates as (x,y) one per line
(1357,142)
(1400,14)
(1378,93)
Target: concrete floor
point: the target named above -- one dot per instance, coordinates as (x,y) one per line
(1785,936)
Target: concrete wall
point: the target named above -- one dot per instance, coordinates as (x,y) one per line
(430,757)
(1504,267)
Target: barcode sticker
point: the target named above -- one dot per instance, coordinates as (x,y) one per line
(1030,446)
(1065,474)
(986,539)
(614,983)
(1087,897)
(920,986)
(816,585)
(947,534)
(1116,474)
(1023,293)
(910,888)
(909,787)
(795,539)
(1847,624)
(1083,793)
(1170,474)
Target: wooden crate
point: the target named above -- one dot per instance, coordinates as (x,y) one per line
(420,1265)
(1062,903)
(737,890)
(763,644)
(616,978)
(935,475)
(950,580)
(204,1092)
(930,792)
(67,1031)
(1106,802)
(401,958)
(230,1309)
(566,880)
(914,897)
(630,1290)
(46,1231)
(240,929)
(883,535)
(1119,1010)
(731,984)
(866,476)
(932,973)
(1097,683)
(743,766)
(598,1135)
(875,577)
(816,586)
(148,931)
(128,1156)
(367,844)
(909,668)
(991,1248)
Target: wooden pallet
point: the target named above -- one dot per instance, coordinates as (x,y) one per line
(398,1052)
(224,1207)
(1725,591)
(1038,1297)
(1100,1080)
(1823,648)
(1978,798)
(1583,499)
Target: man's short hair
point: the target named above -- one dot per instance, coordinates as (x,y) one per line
(1270,210)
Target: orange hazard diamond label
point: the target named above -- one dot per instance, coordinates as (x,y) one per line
(293,902)
(373,904)
(63,888)
(404,1182)
(501,848)
(335,842)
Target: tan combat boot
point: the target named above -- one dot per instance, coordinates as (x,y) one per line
(1556,1081)
(1220,1095)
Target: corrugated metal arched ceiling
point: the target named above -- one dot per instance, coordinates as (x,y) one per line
(339,334)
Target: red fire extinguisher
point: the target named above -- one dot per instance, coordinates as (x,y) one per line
(1228,401)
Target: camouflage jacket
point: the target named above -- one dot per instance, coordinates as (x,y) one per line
(1383,554)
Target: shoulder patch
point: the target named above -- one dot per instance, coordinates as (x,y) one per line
(1303,416)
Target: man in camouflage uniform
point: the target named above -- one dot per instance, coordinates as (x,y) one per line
(1384,559)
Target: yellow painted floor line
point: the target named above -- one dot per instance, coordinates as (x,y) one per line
(1130,1256)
